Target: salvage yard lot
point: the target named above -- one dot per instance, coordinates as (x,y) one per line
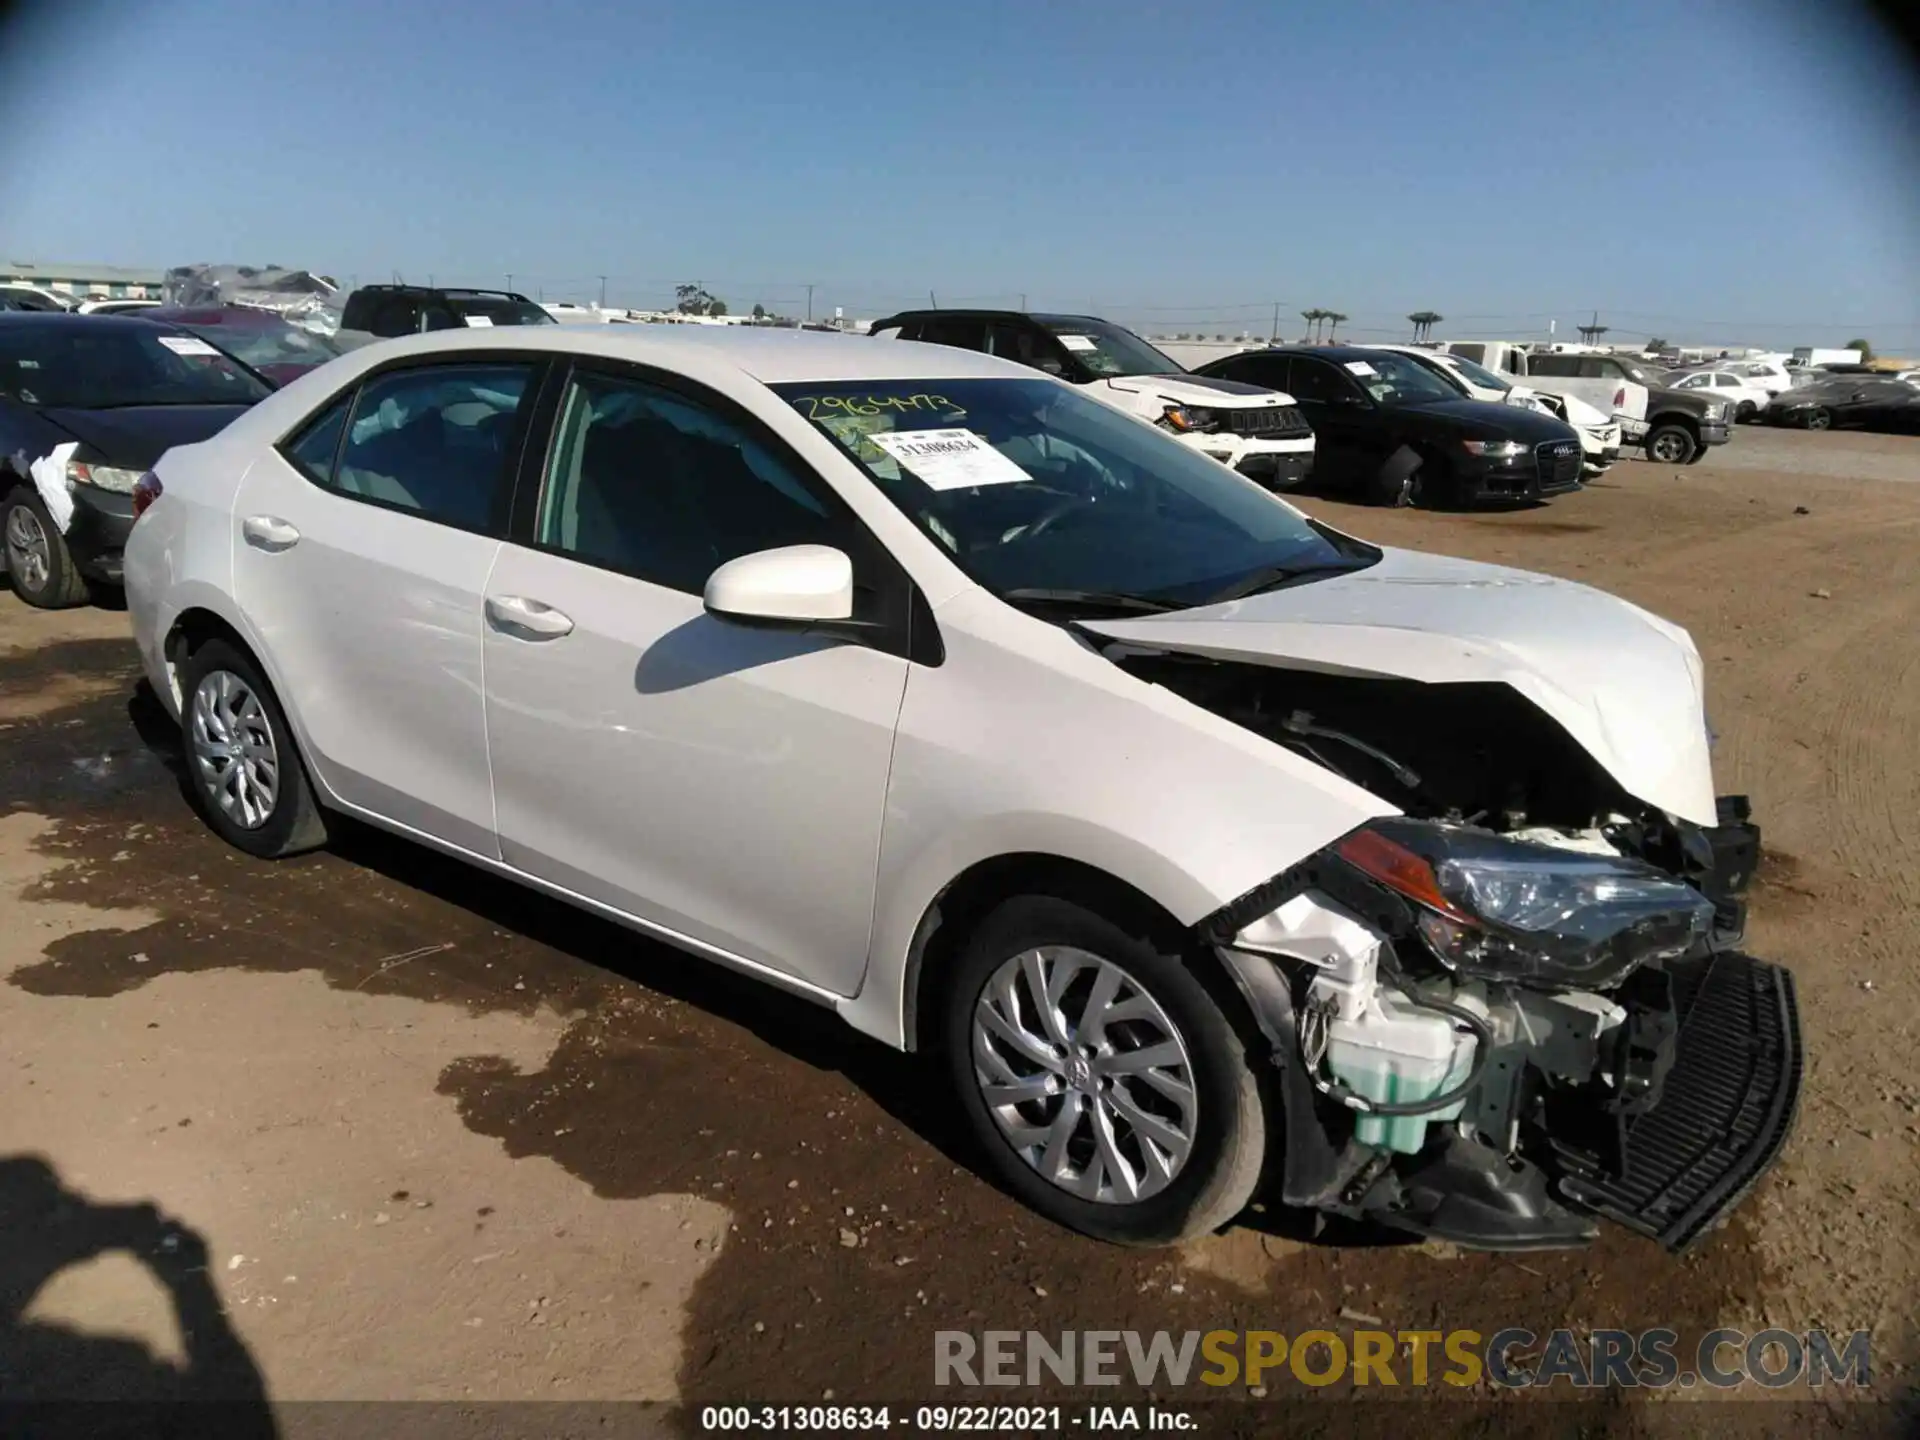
(399,1099)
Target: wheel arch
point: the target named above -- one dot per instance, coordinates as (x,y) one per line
(953,914)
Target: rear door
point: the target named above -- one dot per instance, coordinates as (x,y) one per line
(361,552)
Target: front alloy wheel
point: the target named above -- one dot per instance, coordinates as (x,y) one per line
(1113,1081)
(1088,1079)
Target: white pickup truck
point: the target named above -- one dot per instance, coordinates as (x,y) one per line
(1672,426)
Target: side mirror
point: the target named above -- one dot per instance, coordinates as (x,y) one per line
(796,585)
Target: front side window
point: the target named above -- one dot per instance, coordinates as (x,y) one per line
(1315,382)
(1043,495)
(85,365)
(655,485)
(436,441)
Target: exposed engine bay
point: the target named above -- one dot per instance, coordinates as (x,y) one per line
(1519,1005)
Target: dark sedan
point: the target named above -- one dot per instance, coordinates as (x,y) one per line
(1389,429)
(88,403)
(256,338)
(1857,402)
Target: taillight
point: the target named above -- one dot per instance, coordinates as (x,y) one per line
(1620,398)
(146,490)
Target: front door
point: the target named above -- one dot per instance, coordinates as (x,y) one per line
(361,555)
(720,782)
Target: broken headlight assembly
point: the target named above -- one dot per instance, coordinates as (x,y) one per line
(1493,908)
(1188,419)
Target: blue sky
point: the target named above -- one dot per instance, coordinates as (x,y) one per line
(1715,170)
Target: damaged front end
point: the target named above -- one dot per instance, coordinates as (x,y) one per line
(1519,1005)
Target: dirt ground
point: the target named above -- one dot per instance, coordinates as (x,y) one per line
(369,1125)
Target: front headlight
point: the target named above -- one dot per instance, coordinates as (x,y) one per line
(1511,910)
(103,477)
(1187,419)
(1494,449)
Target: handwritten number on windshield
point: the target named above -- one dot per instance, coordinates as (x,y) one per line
(838,407)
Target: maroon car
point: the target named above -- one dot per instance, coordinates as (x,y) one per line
(258,339)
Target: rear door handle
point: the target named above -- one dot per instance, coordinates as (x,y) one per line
(528,619)
(269,532)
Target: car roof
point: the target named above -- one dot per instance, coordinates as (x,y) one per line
(964,313)
(211,315)
(771,356)
(63,321)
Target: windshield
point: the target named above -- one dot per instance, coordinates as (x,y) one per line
(1395,379)
(118,362)
(1479,374)
(1108,350)
(273,344)
(501,309)
(1033,487)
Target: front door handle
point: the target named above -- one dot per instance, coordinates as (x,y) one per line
(528,619)
(269,532)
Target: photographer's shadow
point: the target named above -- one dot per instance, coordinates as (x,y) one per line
(77,1383)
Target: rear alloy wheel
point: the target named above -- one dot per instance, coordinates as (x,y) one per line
(38,561)
(1819,418)
(242,765)
(1110,1090)
(1671,445)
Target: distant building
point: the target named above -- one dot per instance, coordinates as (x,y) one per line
(113,281)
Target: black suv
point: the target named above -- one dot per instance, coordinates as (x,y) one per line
(389,310)
(1396,433)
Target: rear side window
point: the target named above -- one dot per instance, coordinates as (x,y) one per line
(1566,366)
(962,334)
(438,441)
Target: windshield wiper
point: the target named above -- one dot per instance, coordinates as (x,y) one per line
(1276,577)
(1092,599)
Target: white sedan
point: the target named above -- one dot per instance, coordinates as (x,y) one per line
(928,688)
(1745,394)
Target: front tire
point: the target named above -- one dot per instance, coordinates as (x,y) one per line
(1672,445)
(1819,418)
(242,764)
(1109,1088)
(38,561)
(1746,412)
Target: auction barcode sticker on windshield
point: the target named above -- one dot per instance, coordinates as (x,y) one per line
(950,459)
(480,322)
(186,345)
(1081,343)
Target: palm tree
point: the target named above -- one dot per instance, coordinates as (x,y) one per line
(1334,318)
(1313,318)
(1423,323)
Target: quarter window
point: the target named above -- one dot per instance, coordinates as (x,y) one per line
(436,441)
(647,482)
(312,453)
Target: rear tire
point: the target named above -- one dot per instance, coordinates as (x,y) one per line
(1746,412)
(1216,1140)
(242,763)
(1671,445)
(39,564)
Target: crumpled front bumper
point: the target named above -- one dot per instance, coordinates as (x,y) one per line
(1726,1106)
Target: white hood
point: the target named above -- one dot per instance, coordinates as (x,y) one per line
(1192,390)
(1627,685)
